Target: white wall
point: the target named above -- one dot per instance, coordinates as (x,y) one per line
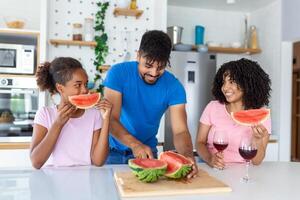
(220,26)
(268,23)
(290,20)
(28,10)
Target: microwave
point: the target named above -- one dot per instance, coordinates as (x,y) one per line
(17,59)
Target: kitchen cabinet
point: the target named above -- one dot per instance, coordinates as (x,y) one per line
(272,151)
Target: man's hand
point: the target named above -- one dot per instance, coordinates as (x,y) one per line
(142,151)
(194,171)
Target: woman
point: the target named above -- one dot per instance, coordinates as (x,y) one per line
(238,85)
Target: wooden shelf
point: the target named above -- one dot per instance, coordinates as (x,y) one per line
(233,50)
(72,42)
(127,12)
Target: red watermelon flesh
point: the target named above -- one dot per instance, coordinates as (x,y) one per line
(147,170)
(251,117)
(148,163)
(85,101)
(178,165)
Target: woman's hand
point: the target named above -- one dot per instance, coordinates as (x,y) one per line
(217,160)
(259,132)
(105,108)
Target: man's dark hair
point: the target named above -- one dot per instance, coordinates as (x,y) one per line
(250,78)
(156,46)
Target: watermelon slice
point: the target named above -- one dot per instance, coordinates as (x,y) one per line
(85,101)
(178,165)
(147,170)
(251,117)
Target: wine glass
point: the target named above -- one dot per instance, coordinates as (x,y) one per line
(248,150)
(220,141)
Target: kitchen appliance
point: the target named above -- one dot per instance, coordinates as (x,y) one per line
(18,106)
(195,70)
(17,58)
(175,32)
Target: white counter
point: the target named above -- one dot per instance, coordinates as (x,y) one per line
(272,180)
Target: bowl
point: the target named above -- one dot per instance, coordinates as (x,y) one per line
(202,48)
(236,44)
(12,22)
(183,47)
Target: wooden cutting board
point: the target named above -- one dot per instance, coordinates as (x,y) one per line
(129,186)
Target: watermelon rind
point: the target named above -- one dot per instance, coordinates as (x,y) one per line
(147,174)
(182,169)
(87,100)
(250,123)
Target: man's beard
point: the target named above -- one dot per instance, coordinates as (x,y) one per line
(149,83)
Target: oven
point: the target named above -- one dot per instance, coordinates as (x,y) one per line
(18,106)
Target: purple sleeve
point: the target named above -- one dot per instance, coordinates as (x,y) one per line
(205,117)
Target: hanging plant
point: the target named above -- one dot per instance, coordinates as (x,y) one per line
(101,49)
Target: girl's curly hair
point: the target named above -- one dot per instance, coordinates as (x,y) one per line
(250,78)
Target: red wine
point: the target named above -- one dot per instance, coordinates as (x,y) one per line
(220,146)
(248,154)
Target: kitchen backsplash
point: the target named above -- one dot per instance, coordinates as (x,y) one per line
(124,33)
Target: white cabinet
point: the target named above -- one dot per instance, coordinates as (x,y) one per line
(15,158)
(272,152)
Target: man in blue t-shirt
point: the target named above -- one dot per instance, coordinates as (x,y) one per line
(141,91)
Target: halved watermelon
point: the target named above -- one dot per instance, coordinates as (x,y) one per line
(85,101)
(178,165)
(251,117)
(147,170)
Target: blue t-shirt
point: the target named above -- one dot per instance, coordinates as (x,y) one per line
(142,104)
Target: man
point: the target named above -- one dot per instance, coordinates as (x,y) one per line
(140,93)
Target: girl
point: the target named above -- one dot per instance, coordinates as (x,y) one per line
(238,85)
(66,135)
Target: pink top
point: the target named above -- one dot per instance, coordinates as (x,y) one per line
(216,116)
(73,146)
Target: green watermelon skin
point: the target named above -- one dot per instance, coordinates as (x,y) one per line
(147,170)
(178,165)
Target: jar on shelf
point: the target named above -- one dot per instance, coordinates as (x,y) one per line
(253,38)
(88,29)
(77,31)
(133,5)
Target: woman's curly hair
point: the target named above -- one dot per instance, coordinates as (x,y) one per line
(250,78)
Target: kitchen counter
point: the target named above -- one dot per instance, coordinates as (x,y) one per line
(272,180)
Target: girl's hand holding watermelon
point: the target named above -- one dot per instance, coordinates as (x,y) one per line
(65,111)
(105,108)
